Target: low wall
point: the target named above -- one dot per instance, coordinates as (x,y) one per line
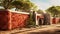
(55,20)
(4,19)
(13,19)
(10,20)
(18,20)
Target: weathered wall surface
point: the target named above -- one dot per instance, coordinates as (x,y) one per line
(10,20)
(4,19)
(55,20)
(18,20)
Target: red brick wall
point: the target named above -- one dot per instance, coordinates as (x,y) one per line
(18,20)
(59,20)
(55,20)
(10,20)
(4,19)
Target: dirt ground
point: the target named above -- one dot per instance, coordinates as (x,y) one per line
(53,29)
(44,31)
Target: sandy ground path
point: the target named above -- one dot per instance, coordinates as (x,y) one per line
(50,29)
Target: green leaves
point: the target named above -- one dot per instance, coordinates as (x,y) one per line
(24,5)
(40,11)
(54,10)
(6,4)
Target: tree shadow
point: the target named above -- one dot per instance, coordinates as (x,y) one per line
(45,32)
(3,29)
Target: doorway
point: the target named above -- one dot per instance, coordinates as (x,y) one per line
(40,21)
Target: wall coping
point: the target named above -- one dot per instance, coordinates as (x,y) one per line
(39,14)
(18,12)
(22,12)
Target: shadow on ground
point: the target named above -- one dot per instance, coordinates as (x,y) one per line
(45,32)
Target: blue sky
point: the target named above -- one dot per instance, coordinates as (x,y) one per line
(44,4)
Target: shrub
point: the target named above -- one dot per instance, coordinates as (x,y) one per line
(30,22)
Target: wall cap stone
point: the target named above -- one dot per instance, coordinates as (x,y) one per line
(18,12)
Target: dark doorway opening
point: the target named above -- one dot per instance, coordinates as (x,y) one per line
(40,21)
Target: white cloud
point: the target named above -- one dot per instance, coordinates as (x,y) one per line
(44,5)
(55,2)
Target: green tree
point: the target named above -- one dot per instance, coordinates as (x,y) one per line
(17,4)
(40,11)
(53,10)
(58,8)
(31,22)
(24,5)
(6,3)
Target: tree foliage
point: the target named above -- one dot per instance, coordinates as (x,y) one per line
(6,4)
(18,4)
(54,10)
(40,11)
(23,4)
